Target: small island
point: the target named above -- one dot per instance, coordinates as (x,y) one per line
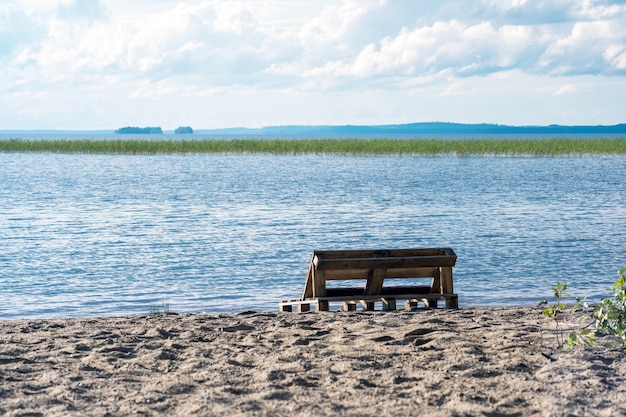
(139,130)
(183,130)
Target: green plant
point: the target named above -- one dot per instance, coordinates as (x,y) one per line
(584,334)
(558,309)
(610,314)
(554,310)
(608,317)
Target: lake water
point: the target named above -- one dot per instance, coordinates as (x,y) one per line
(91,235)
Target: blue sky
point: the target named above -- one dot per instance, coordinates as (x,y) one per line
(103,64)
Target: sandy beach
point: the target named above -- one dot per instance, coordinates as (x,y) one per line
(467,362)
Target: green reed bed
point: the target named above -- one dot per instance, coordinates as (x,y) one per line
(425,147)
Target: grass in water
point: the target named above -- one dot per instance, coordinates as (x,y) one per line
(423,147)
(158,310)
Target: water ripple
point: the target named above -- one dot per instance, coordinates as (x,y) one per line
(85,235)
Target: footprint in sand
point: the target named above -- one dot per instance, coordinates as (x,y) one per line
(415,337)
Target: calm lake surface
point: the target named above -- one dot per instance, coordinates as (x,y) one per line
(91,235)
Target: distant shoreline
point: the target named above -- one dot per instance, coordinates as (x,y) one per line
(421,128)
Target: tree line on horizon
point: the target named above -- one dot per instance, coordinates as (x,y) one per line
(151,130)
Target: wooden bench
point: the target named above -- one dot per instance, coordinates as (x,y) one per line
(432,267)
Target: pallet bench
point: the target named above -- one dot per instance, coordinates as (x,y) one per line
(375,268)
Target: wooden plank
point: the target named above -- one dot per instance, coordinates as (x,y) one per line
(296,302)
(375,281)
(368,305)
(373,298)
(345,292)
(303,308)
(322,305)
(368,302)
(319,283)
(308,285)
(348,274)
(384,263)
(358,291)
(436,284)
(389,304)
(371,253)
(410,289)
(349,306)
(447,287)
(367,253)
(452,302)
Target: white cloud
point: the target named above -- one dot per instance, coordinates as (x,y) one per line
(615,55)
(81,9)
(583,51)
(444,46)
(163,50)
(230,38)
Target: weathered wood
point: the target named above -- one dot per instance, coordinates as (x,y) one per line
(349,306)
(375,267)
(436,284)
(452,302)
(346,274)
(334,254)
(389,304)
(344,292)
(397,290)
(373,298)
(303,308)
(374,283)
(368,305)
(308,285)
(447,287)
(301,305)
(319,283)
(322,305)
(384,263)
(368,302)
(358,291)
(351,274)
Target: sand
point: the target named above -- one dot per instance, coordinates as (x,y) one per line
(467,362)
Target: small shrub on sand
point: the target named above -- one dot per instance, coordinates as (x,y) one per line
(557,312)
(610,314)
(608,317)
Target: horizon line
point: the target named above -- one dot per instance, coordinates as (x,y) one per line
(329,126)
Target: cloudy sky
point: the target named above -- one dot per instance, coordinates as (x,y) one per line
(103,64)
